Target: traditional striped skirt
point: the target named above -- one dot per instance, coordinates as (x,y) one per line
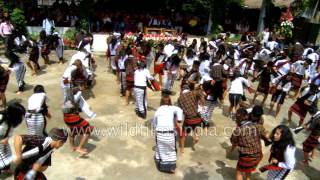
(190,124)
(297,80)
(141,103)
(20,70)
(166,151)
(263,87)
(248,163)
(129,82)
(5,155)
(113,62)
(310,143)
(122,77)
(300,109)
(77,125)
(36,124)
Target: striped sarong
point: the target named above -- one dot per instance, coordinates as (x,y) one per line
(36,124)
(122,77)
(77,125)
(248,163)
(310,143)
(20,70)
(166,151)
(141,102)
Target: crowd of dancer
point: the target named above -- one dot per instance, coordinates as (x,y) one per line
(210,71)
(207,72)
(33,150)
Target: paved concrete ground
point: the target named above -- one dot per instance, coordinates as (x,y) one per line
(130,155)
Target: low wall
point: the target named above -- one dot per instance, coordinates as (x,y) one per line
(99,39)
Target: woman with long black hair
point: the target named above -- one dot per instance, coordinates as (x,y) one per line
(37,112)
(9,119)
(282,158)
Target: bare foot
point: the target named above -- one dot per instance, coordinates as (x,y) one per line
(73,148)
(82,151)
(19,92)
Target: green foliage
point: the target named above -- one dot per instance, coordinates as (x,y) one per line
(19,21)
(70,34)
(194,6)
(235,38)
(84,24)
(300,6)
(34,36)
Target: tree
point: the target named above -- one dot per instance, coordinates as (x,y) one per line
(213,9)
(300,7)
(19,21)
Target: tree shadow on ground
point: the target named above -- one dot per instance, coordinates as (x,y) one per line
(196,173)
(28,87)
(226,172)
(225,110)
(232,155)
(15,100)
(94,138)
(90,147)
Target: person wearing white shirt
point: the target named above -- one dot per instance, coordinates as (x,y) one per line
(299,69)
(48,26)
(122,74)
(67,78)
(141,76)
(236,91)
(307,100)
(17,66)
(310,144)
(112,50)
(265,36)
(37,112)
(272,45)
(165,120)
(282,158)
(170,72)
(281,67)
(283,86)
(315,79)
(246,66)
(59,45)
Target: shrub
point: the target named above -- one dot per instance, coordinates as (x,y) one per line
(19,21)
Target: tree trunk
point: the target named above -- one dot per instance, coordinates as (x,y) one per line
(209,23)
(262,16)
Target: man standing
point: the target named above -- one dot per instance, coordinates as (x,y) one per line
(6,29)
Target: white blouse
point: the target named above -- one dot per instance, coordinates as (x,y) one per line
(237,86)
(289,157)
(164,118)
(141,76)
